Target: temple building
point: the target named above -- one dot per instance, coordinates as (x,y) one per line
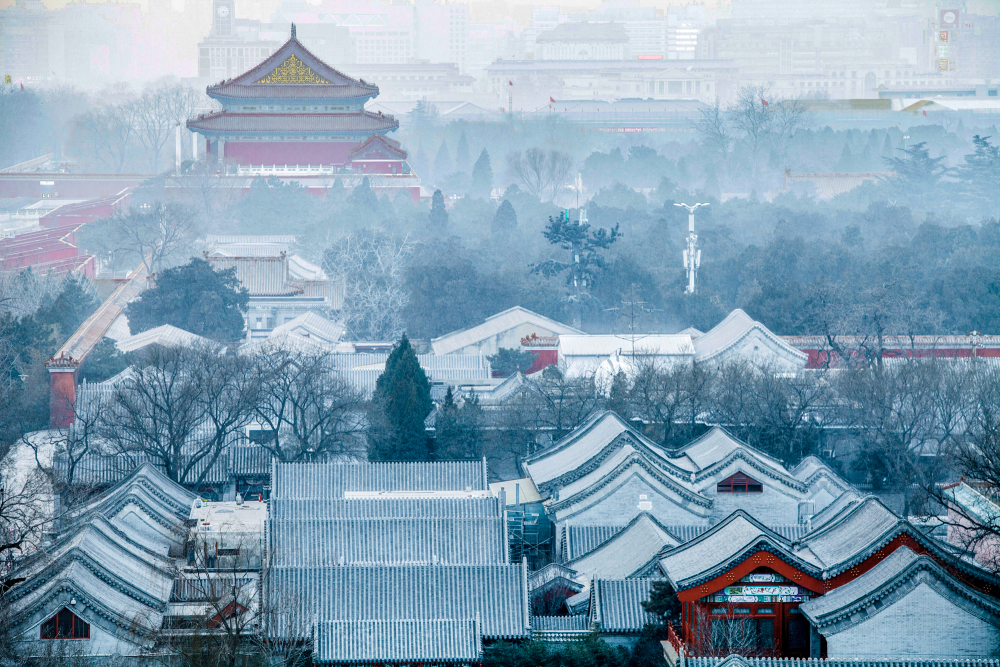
(858,585)
(295,115)
(605,474)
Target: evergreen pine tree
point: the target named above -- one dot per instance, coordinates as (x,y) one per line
(193,297)
(442,163)
(846,161)
(462,160)
(482,177)
(399,406)
(505,219)
(363,196)
(887,152)
(70,307)
(438,215)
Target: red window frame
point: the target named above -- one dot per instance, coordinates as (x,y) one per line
(64,624)
(739,483)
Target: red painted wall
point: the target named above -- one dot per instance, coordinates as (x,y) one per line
(62,398)
(379,167)
(77,187)
(288,152)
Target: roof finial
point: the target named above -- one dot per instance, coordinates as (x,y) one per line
(293,31)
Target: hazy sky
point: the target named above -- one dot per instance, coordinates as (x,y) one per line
(492,6)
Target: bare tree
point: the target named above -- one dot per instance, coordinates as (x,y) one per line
(374,264)
(157,112)
(153,233)
(106,136)
(904,419)
(753,118)
(180,409)
(305,405)
(780,412)
(540,172)
(669,397)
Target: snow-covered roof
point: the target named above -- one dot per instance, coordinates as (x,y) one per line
(166,335)
(736,328)
(312,326)
(301,269)
(602,345)
(626,551)
(495,325)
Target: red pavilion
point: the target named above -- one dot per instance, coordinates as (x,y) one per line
(294,114)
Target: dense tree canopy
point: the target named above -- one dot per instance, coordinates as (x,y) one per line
(193,297)
(401,403)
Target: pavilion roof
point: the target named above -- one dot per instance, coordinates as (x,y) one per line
(894,577)
(377,146)
(293,72)
(287,123)
(626,551)
(724,545)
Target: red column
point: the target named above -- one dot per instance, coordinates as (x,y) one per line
(62,392)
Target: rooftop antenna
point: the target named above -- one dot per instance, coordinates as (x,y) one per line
(692,254)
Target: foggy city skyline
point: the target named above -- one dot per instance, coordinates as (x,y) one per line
(356,333)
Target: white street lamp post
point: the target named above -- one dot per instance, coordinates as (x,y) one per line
(692,254)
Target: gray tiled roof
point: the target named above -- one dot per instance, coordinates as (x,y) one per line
(738,661)
(497,593)
(714,550)
(578,623)
(280,123)
(853,530)
(406,641)
(238,458)
(842,502)
(385,508)
(625,552)
(616,604)
(320,542)
(581,540)
(110,572)
(331,480)
(886,583)
(170,499)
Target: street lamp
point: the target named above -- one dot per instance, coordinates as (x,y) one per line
(692,255)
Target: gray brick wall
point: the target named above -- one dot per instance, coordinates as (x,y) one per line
(924,625)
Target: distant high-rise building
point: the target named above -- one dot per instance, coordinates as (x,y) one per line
(233,45)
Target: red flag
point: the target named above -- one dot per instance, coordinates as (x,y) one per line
(551,100)
(764,102)
(510,83)
(22,90)
(925,113)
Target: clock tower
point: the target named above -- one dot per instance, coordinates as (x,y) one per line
(223,12)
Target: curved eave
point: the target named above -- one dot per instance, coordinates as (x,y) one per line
(901,528)
(327,100)
(762,543)
(619,471)
(209,132)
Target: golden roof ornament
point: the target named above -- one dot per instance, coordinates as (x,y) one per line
(293,71)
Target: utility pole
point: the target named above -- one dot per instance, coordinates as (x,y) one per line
(579,280)
(692,254)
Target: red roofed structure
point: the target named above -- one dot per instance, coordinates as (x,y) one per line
(45,251)
(293,112)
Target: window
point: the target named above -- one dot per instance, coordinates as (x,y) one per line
(739,483)
(65,625)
